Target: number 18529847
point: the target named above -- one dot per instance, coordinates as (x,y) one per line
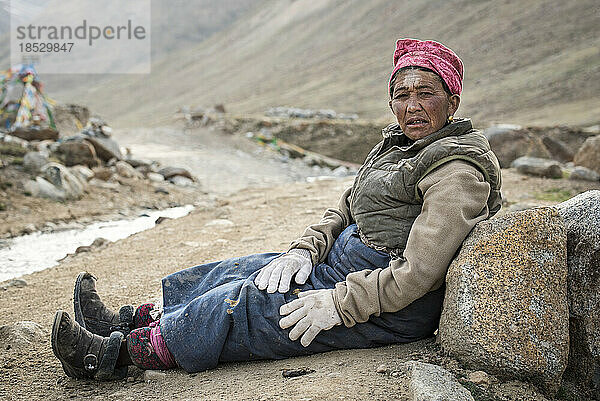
(45,47)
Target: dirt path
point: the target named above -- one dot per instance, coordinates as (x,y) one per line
(223,163)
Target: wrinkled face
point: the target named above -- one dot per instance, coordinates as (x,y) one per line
(420,103)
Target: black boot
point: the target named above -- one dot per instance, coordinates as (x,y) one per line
(84,354)
(93,315)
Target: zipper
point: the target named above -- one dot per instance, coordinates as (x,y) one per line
(367,166)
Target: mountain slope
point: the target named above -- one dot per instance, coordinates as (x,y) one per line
(529,61)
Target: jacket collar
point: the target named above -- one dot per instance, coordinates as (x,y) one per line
(457,127)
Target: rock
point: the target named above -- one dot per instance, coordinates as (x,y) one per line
(100,242)
(297,372)
(124,169)
(510,143)
(34,161)
(169,172)
(340,171)
(76,150)
(70,118)
(46,146)
(20,335)
(581,215)
(139,163)
(29,228)
(82,172)
(15,282)
(83,248)
(155,177)
(181,181)
(147,169)
(154,375)
(505,309)
(63,179)
(584,173)
(41,188)
(558,149)
(106,130)
(382,369)
(161,190)
(294,112)
(427,382)
(7,138)
(537,167)
(479,377)
(589,154)
(35,133)
(102,184)
(103,173)
(220,223)
(161,219)
(106,148)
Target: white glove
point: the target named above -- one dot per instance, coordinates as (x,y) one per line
(312,312)
(278,273)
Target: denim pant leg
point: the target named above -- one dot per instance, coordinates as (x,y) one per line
(215,313)
(416,321)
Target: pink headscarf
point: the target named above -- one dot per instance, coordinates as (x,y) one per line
(432,55)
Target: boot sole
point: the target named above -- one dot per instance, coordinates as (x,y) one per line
(76,302)
(55,327)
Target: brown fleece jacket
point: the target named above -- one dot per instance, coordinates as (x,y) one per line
(455,198)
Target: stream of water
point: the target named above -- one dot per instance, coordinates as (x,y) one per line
(39,251)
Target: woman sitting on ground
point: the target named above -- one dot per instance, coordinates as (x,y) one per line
(370,273)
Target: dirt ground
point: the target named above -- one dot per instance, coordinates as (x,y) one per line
(130,271)
(265,219)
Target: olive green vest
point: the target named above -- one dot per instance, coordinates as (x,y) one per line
(385,198)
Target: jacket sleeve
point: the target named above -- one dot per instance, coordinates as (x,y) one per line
(319,238)
(454,200)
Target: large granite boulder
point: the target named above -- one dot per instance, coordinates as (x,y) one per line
(505,310)
(582,219)
(589,154)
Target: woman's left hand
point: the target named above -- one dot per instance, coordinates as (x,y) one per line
(312,312)
(277,275)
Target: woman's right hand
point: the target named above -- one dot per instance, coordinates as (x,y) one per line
(277,275)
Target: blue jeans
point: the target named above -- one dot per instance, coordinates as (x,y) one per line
(214,312)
